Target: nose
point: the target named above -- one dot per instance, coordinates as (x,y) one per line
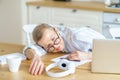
(57,48)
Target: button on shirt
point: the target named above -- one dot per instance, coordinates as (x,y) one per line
(78,39)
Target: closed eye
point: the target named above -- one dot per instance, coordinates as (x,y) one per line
(43,47)
(53,39)
(49,45)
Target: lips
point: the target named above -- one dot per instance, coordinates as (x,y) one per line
(58,48)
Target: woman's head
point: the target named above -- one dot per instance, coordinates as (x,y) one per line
(48,37)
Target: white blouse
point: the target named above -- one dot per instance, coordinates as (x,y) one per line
(78,39)
(75,39)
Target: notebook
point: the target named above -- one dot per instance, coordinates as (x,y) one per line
(106,56)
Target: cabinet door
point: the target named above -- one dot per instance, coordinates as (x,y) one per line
(38,14)
(65,16)
(78,18)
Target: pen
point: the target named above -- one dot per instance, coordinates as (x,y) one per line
(71,60)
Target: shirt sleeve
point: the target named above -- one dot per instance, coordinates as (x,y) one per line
(87,35)
(39,51)
(83,38)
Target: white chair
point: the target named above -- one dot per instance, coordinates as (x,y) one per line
(28,29)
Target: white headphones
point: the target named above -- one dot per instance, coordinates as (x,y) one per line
(63,64)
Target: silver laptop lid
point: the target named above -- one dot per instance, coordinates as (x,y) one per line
(106,56)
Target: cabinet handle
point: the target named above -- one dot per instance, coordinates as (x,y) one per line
(61,24)
(117,20)
(37,7)
(88,26)
(74,10)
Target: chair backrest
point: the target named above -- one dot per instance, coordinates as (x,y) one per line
(28,30)
(30,43)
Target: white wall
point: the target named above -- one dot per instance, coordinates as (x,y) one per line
(11,21)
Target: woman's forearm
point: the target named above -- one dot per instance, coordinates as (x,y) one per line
(30,53)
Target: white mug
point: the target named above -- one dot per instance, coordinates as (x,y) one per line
(13,63)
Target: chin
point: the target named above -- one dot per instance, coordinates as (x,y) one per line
(61,48)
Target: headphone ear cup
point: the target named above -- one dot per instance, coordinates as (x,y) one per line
(63,64)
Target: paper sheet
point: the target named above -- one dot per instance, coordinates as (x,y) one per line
(3,57)
(77,63)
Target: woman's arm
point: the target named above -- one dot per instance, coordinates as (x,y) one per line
(36,66)
(78,55)
(30,53)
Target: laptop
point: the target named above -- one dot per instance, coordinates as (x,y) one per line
(106,56)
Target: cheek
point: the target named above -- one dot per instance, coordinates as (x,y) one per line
(62,44)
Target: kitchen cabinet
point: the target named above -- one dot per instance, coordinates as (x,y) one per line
(65,16)
(78,18)
(111,25)
(39,14)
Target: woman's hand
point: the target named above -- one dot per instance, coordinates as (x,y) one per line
(36,66)
(77,55)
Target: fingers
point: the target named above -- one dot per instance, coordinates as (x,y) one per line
(41,69)
(36,67)
(77,55)
(31,65)
(73,57)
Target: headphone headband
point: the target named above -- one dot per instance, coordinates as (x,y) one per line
(63,64)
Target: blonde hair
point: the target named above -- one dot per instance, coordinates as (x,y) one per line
(38,31)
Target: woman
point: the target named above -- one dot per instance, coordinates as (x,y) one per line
(77,42)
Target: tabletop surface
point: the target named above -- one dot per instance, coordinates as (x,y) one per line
(82,72)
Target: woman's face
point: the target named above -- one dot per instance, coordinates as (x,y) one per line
(51,41)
